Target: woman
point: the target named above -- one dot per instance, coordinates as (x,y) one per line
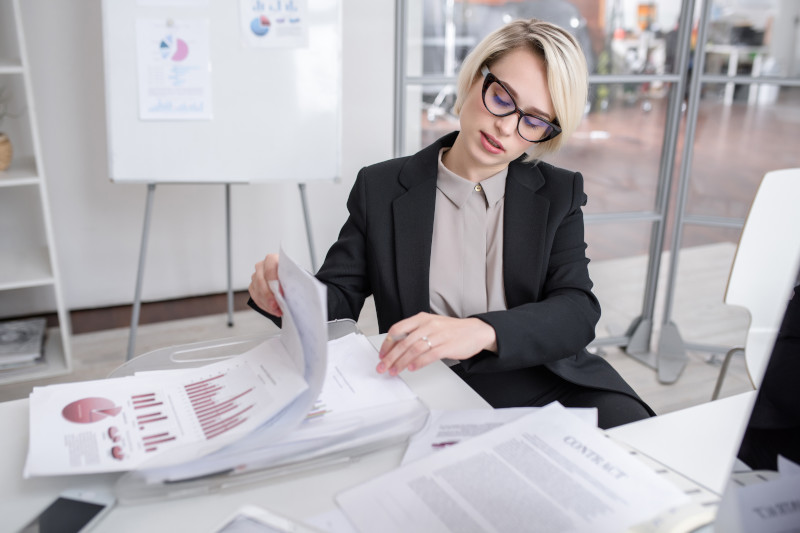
(473,250)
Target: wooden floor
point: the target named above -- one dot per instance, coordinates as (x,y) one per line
(698,311)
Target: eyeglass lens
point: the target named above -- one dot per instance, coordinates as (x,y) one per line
(499,102)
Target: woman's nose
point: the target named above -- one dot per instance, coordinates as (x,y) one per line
(507,124)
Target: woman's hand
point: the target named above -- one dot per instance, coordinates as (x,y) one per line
(266,271)
(418,341)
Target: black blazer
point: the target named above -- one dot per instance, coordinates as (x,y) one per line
(384,250)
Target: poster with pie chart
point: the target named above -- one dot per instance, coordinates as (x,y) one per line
(174,69)
(274,23)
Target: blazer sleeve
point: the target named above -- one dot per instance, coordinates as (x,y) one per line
(561,323)
(345,269)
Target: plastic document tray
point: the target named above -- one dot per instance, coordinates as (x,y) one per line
(207,352)
(135,487)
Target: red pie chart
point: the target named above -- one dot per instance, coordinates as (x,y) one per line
(89,410)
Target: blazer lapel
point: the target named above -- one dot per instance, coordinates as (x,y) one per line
(413,227)
(524,230)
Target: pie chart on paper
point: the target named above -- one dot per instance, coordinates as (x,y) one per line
(174,49)
(89,410)
(260,25)
(181,50)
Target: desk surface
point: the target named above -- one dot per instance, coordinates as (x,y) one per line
(698,442)
(298,495)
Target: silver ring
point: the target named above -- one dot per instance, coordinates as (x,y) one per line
(430,346)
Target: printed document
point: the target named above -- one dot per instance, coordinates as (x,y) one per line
(126,423)
(154,419)
(546,471)
(447,428)
(356,405)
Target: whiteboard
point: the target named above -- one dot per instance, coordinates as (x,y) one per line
(275,112)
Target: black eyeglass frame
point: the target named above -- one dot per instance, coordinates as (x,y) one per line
(488,79)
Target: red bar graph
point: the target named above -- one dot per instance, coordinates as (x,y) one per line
(218,410)
(151,441)
(150,416)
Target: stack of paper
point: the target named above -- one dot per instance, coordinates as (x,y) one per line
(545,471)
(21,342)
(296,399)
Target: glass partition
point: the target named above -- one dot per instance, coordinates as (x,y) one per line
(640,123)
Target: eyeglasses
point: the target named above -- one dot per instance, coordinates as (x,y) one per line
(498,102)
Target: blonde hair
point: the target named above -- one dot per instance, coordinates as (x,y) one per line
(565,64)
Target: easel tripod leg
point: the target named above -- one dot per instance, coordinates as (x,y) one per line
(137,299)
(228,245)
(307,219)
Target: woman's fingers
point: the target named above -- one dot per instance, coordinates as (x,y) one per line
(418,341)
(265,271)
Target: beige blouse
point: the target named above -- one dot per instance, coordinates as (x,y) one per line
(466,275)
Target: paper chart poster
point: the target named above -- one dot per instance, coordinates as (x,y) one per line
(274,23)
(179,3)
(174,69)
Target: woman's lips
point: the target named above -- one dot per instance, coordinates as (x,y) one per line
(491,144)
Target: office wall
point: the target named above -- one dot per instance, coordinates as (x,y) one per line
(98,224)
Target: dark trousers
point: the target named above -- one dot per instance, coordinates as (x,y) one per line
(537,387)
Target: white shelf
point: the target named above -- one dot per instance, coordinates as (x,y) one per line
(22,172)
(25,267)
(27,250)
(55,362)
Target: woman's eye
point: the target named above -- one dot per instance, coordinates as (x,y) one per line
(534,122)
(500,100)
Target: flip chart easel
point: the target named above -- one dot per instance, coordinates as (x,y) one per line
(261,110)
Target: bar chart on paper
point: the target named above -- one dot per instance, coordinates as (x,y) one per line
(151,417)
(218,407)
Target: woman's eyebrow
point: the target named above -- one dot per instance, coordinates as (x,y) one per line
(533,110)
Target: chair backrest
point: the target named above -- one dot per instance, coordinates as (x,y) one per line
(765,267)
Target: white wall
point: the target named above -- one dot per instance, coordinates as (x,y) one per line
(98,224)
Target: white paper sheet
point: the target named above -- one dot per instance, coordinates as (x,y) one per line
(547,471)
(352,398)
(132,422)
(447,428)
(772,506)
(154,419)
(274,23)
(174,69)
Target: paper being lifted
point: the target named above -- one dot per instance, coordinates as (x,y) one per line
(356,407)
(157,419)
(547,471)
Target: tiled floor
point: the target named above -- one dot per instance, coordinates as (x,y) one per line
(698,312)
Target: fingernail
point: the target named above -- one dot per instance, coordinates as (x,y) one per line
(381,368)
(393,371)
(411,368)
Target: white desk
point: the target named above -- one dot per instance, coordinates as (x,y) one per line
(699,442)
(300,495)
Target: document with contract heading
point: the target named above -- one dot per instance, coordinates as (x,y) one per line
(546,471)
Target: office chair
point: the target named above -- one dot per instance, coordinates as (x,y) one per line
(765,268)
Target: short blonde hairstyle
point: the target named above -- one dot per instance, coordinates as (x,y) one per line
(567,75)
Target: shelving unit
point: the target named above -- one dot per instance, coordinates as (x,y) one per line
(27,248)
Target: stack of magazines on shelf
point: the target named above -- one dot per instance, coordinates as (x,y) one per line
(22,343)
(306,397)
